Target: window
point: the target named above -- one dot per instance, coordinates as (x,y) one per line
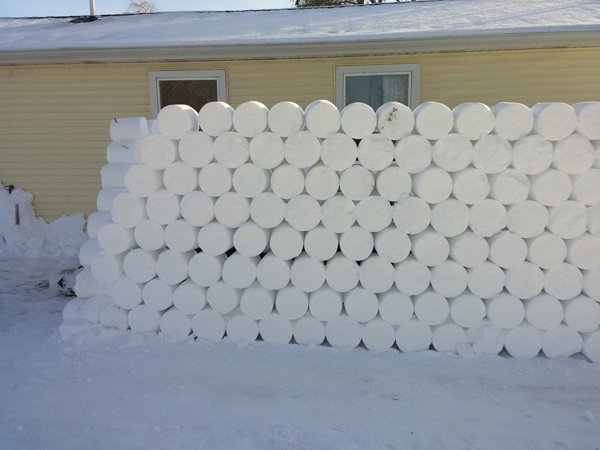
(377,84)
(194,88)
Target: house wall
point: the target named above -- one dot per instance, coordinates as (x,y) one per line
(54,118)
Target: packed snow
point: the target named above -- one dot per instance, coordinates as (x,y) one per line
(369,22)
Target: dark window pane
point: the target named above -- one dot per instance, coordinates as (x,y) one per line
(375,90)
(195,93)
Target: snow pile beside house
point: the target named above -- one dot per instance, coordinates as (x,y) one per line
(471,230)
(22,233)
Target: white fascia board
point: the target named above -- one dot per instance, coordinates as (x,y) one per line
(516,41)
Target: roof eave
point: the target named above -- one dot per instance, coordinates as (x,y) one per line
(493,42)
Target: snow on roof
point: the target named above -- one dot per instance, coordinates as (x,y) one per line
(422,19)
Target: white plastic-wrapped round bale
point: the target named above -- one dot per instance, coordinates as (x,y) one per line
(554,121)
(591,284)
(395,307)
(140,265)
(376,152)
(275,329)
(411,215)
(149,235)
(112,316)
(433,185)
(507,249)
(241,329)
(303,212)
(181,236)
(470,185)
(510,187)
(189,298)
(449,279)
(467,310)
(412,277)
(309,331)
(250,239)
(505,311)
(361,305)
(286,242)
(561,342)
(126,294)
(546,250)
(574,154)
(325,304)
(302,149)
(175,325)
(287,181)
(532,154)
(486,280)
(430,248)
(291,302)
(307,274)
(413,336)
(322,118)
(393,183)
(214,179)
(523,342)
(487,217)
(106,268)
(378,335)
(180,178)
(357,182)
(223,298)
(392,244)
(338,214)
(286,118)
(373,213)
(528,219)
(341,273)
(95,221)
(512,120)
(144,319)
(431,308)
(205,269)
(162,207)
(321,182)
(215,118)
(114,239)
(473,119)
(583,252)
(321,243)
(195,149)
(453,152)
(413,153)
(433,120)
(543,311)
(343,332)
(568,220)
(358,120)
(112,175)
(208,325)
(125,151)
(395,120)
(158,152)
(551,188)
(588,119)
(450,217)
(158,295)
(524,280)
(128,128)
(266,150)
(586,187)
(232,209)
(376,274)
(582,314)
(272,272)
(197,208)
(240,271)
(591,346)
(231,149)
(142,180)
(357,243)
(88,251)
(250,180)
(250,118)
(469,249)
(267,210)
(339,152)
(176,120)
(257,302)
(448,337)
(486,338)
(172,266)
(128,210)
(563,281)
(492,154)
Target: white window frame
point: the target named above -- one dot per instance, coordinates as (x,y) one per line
(412,70)
(172,75)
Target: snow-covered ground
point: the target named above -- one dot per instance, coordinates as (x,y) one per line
(130,393)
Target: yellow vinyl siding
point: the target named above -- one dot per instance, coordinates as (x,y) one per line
(54,118)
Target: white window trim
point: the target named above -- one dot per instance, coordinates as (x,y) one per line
(412,70)
(156,77)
